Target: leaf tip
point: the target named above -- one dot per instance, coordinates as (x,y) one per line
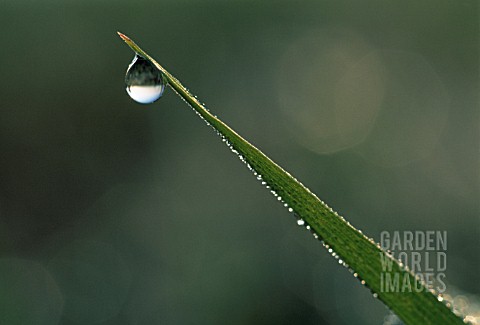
(124,37)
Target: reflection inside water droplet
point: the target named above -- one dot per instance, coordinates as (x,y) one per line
(145,83)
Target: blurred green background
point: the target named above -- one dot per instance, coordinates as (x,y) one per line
(116,213)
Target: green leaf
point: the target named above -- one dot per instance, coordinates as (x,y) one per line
(362,255)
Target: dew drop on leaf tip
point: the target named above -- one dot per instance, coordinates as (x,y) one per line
(144,82)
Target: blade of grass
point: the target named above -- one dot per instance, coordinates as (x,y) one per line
(361,254)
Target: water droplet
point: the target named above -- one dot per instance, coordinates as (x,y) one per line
(145,83)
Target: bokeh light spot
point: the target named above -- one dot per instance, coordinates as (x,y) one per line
(94,280)
(328,95)
(28,294)
(414,111)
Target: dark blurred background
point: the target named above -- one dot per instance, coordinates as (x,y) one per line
(116,213)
